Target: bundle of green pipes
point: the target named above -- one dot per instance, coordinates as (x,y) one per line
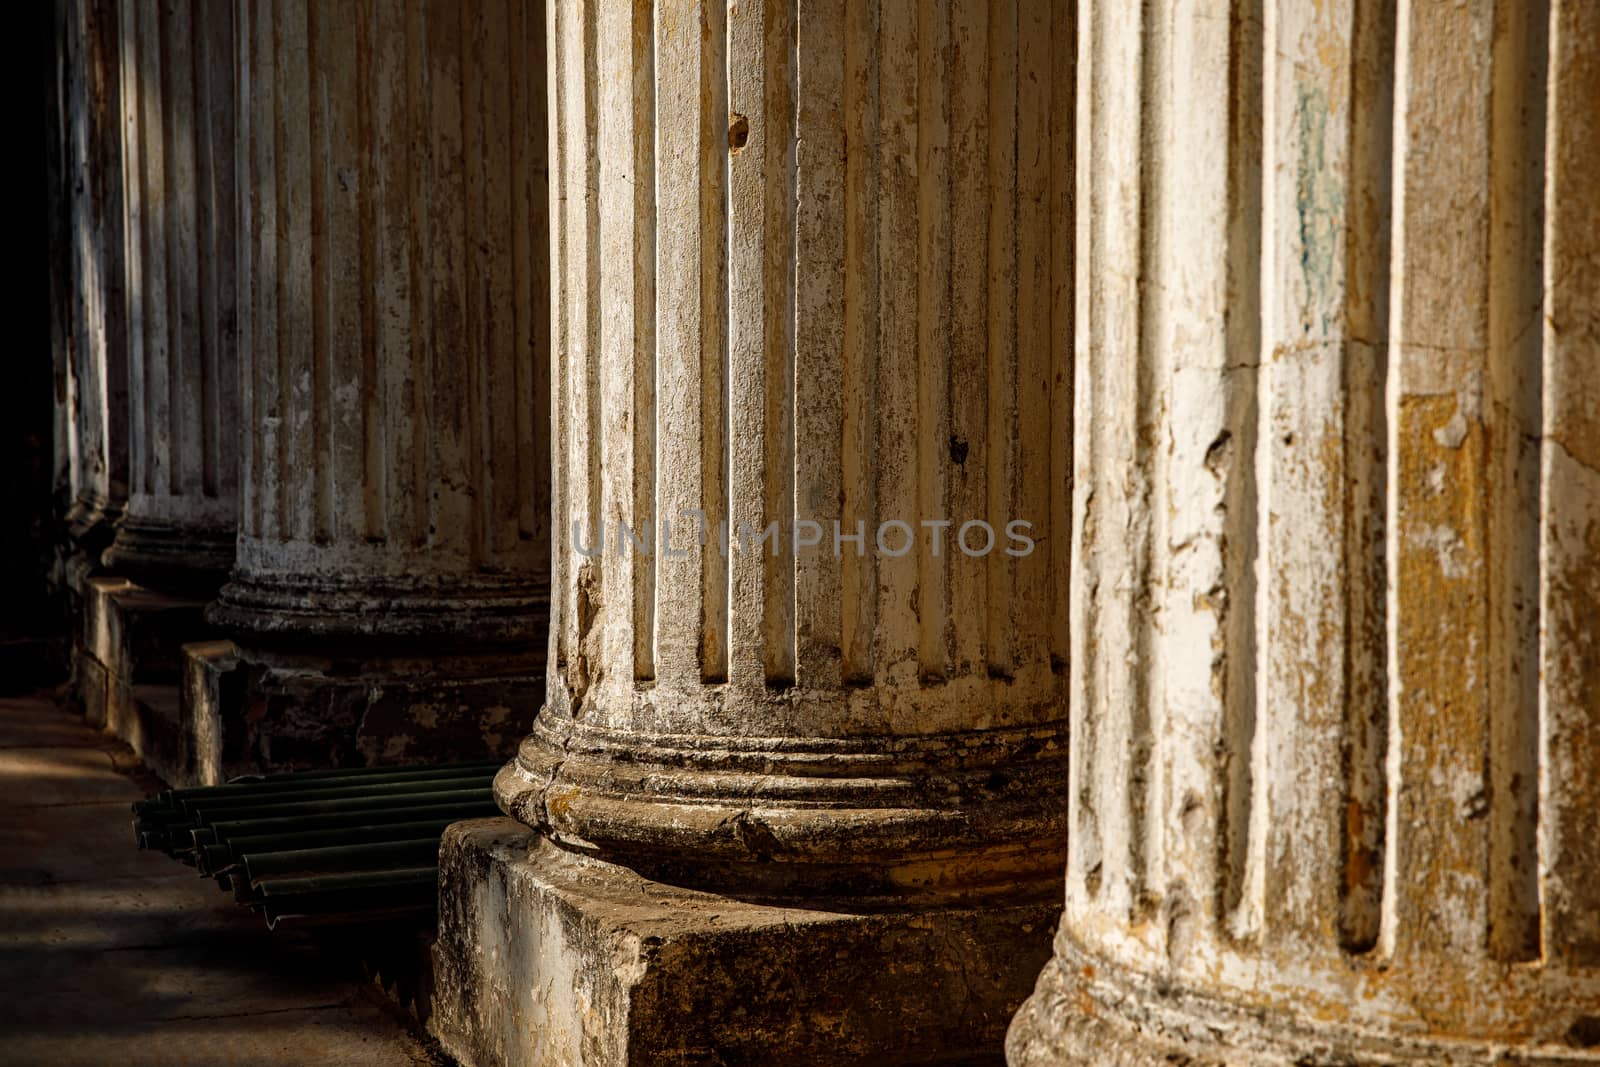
(329,846)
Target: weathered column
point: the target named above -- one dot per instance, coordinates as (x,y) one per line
(96,381)
(183,354)
(1336,543)
(797,797)
(389,595)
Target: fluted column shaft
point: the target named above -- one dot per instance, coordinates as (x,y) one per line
(1335,657)
(178,148)
(808,271)
(391,326)
(96,381)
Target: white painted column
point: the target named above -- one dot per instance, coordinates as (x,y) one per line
(809,269)
(178,146)
(391,327)
(1335,657)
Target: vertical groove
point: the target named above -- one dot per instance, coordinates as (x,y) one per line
(560,409)
(280,291)
(891,431)
(185,375)
(857,578)
(1063,324)
(371,191)
(713,293)
(322,280)
(1517,158)
(646,433)
(389,175)
(967,383)
(475,333)
(505,268)
(1029,615)
(176,145)
(1001,317)
(1244,497)
(541,280)
(153,136)
(589,204)
(778,577)
(133,100)
(1150,406)
(1365,466)
(341,280)
(203,92)
(244,250)
(418,91)
(934,261)
(820,35)
(528,282)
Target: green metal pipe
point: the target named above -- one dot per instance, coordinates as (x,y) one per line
(367,893)
(341,859)
(355,772)
(172,831)
(247,798)
(284,888)
(220,855)
(232,812)
(294,783)
(228,829)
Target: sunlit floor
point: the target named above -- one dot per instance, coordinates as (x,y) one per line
(109,955)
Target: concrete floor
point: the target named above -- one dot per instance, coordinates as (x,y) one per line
(109,955)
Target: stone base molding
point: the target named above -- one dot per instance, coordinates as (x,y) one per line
(553,958)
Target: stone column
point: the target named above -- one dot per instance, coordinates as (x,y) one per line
(96,381)
(390,589)
(1336,655)
(179,197)
(809,282)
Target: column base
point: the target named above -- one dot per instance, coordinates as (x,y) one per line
(168,557)
(126,664)
(547,958)
(253,711)
(1079,1014)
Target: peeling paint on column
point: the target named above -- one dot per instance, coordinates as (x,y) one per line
(1306,821)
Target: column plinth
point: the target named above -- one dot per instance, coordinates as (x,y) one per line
(388,595)
(808,277)
(1334,783)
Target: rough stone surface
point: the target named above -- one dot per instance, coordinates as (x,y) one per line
(548,958)
(95,401)
(127,664)
(244,717)
(1334,793)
